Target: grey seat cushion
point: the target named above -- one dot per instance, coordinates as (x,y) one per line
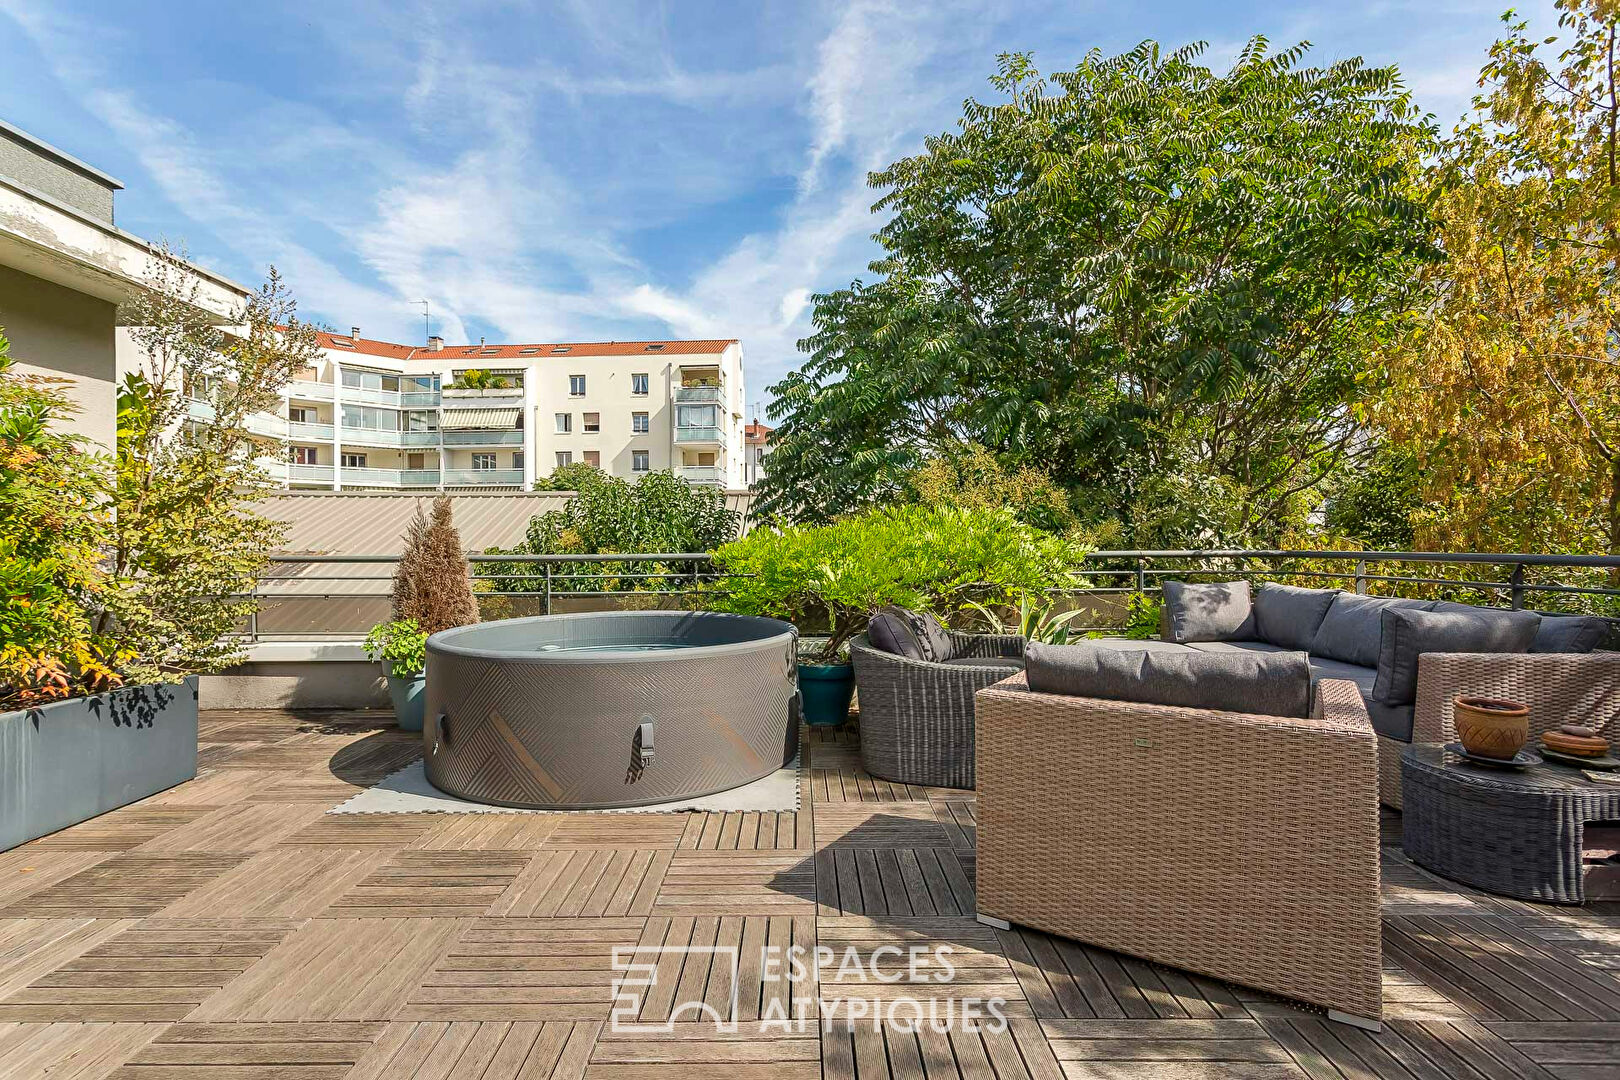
(1288,616)
(1393,721)
(1353,627)
(1407,635)
(1237,646)
(1120,644)
(1215,612)
(1570,633)
(1272,684)
(1010,663)
(916,635)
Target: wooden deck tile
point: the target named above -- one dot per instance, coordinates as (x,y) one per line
(244,826)
(879,824)
(740,831)
(28,869)
(480,1050)
(335,969)
(618,830)
(363,830)
(689,1050)
(574,883)
(738,883)
(69,1051)
(283,881)
(491,832)
(518,969)
(120,830)
(291,1051)
(159,969)
(430,884)
(33,948)
(128,885)
(863,880)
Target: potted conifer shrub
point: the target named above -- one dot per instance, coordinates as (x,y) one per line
(432,592)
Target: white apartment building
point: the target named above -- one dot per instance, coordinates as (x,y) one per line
(379,416)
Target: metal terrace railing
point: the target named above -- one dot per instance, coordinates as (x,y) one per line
(339,597)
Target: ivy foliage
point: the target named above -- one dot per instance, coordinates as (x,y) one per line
(1137,275)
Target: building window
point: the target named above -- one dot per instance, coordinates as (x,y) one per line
(639,461)
(483,461)
(299,415)
(354,461)
(564,457)
(638,423)
(576,386)
(593,423)
(306,455)
(593,458)
(416,461)
(565,423)
(638,384)
(517,460)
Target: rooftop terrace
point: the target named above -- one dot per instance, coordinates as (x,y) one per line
(230,928)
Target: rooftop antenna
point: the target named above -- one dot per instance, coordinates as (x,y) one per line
(426,329)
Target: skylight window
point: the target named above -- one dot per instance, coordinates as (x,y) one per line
(560,349)
(654,348)
(527,352)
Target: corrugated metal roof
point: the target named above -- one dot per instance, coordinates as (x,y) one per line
(478,419)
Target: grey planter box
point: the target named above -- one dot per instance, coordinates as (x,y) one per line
(71,760)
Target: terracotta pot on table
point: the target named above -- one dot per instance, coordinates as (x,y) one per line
(1491,727)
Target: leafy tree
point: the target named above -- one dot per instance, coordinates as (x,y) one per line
(1136,270)
(1377,505)
(53,521)
(432,589)
(571,477)
(657,513)
(971,476)
(1508,390)
(940,558)
(185,543)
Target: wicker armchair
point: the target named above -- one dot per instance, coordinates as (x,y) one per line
(917,716)
(1239,846)
(1560,688)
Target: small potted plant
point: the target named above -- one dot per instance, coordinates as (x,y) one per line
(432,592)
(402,646)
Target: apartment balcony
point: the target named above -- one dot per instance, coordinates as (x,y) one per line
(483,478)
(266,424)
(702,475)
(483,438)
(697,436)
(305,390)
(308,390)
(508,397)
(359,436)
(697,395)
(309,474)
(390,478)
(307,432)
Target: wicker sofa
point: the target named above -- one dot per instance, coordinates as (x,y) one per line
(1342,633)
(917,715)
(1238,846)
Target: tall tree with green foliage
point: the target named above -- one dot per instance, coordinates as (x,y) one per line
(1154,281)
(185,541)
(1507,392)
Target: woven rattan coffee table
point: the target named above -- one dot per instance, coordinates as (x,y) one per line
(1515,833)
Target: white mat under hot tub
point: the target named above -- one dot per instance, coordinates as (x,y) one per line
(408,792)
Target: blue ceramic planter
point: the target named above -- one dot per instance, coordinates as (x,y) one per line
(826,690)
(409,699)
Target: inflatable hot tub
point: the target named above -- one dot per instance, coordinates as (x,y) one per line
(609,709)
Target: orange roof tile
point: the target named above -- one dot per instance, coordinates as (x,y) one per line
(478,355)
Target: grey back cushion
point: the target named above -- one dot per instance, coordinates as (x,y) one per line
(1289,616)
(1352,627)
(1408,634)
(916,635)
(891,633)
(1570,633)
(1218,612)
(1272,684)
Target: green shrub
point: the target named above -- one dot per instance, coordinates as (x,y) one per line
(936,558)
(400,644)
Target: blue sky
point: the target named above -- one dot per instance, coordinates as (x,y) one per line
(586,170)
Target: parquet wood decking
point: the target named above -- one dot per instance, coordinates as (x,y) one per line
(230,928)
